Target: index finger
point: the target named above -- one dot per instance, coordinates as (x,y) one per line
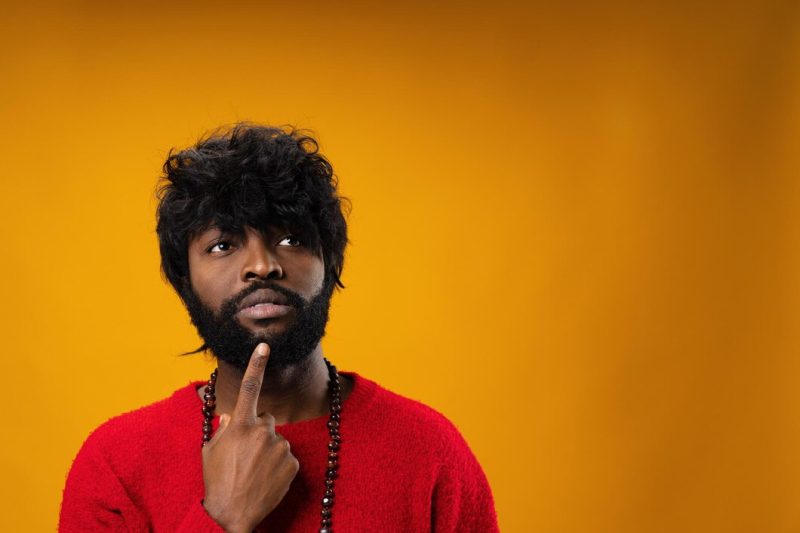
(247,402)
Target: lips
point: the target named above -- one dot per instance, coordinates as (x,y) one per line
(264,303)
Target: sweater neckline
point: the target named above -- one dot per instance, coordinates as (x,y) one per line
(363,389)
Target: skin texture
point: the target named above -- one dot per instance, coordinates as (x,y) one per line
(247,466)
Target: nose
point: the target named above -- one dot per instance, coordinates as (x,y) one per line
(260,262)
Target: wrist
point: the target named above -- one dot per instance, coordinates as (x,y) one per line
(229,524)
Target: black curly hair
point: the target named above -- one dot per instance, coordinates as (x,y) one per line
(249,175)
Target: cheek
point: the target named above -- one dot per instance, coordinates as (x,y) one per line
(318,275)
(206,285)
(306,275)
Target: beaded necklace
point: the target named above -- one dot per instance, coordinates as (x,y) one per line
(335,404)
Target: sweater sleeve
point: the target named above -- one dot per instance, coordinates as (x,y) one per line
(462,500)
(95,499)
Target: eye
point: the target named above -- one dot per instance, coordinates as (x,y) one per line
(220,247)
(290,240)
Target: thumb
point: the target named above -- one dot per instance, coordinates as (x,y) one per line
(224,420)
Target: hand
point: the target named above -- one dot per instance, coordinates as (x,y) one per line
(247,467)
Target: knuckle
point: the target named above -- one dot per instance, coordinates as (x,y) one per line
(239,425)
(259,437)
(285,447)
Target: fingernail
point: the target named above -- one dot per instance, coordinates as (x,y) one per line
(261,349)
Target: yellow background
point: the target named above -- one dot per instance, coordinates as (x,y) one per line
(575,232)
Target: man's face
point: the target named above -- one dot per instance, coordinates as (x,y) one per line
(253,288)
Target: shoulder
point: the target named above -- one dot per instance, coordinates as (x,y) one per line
(135,432)
(389,415)
(121,467)
(414,445)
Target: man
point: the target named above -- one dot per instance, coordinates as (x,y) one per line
(252,238)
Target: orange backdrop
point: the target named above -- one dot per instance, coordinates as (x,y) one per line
(575,232)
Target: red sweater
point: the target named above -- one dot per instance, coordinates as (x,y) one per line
(403,467)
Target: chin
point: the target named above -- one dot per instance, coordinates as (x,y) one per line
(263,335)
(267,335)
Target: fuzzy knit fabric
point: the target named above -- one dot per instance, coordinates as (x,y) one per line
(403,467)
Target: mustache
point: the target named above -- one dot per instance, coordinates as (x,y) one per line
(231,305)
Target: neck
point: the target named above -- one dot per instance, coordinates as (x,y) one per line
(290,394)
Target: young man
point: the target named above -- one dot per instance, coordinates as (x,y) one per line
(252,238)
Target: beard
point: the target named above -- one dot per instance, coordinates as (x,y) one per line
(232,343)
